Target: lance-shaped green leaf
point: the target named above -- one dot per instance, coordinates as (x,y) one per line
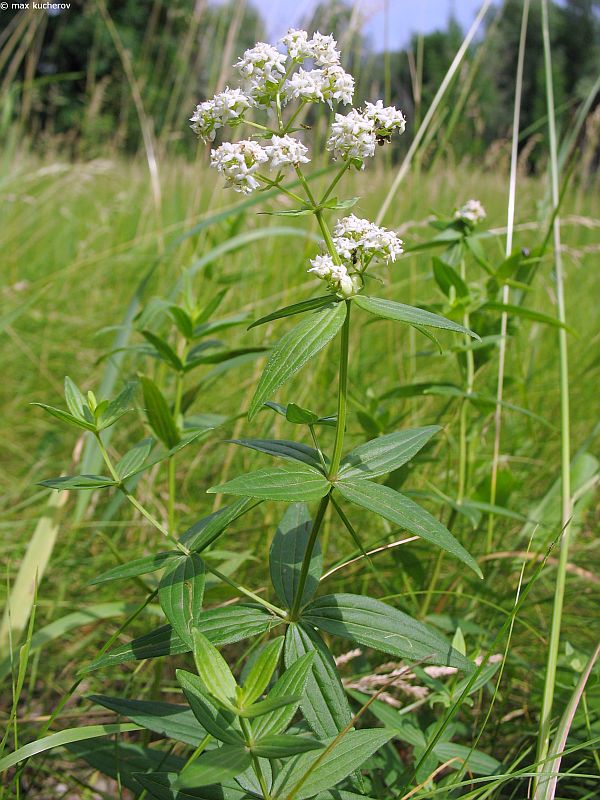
(310,773)
(388,309)
(215,766)
(282,448)
(88,482)
(269,705)
(291,683)
(220,625)
(447,278)
(218,722)
(324,704)
(204,532)
(159,416)
(296,308)
(134,459)
(164,350)
(283,746)
(297,347)
(141,566)
(262,671)
(374,624)
(294,483)
(115,409)
(525,313)
(76,401)
(287,555)
(213,669)
(65,416)
(403,511)
(385,454)
(180,593)
(167,719)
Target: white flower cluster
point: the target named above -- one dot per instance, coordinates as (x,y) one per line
(321,49)
(320,85)
(261,68)
(353,137)
(226,108)
(238,161)
(357,242)
(284,150)
(472,212)
(337,276)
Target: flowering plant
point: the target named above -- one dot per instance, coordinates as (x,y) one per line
(248,737)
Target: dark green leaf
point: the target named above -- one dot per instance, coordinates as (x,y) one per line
(473,761)
(282,448)
(403,511)
(221,625)
(172,721)
(297,347)
(134,459)
(141,566)
(344,757)
(300,416)
(388,309)
(385,454)
(161,786)
(283,746)
(180,592)
(64,416)
(182,320)
(324,704)
(287,554)
(215,766)
(219,723)
(159,416)
(164,350)
(374,624)
(447,278)
(297,482)
(117,407)
(79,482)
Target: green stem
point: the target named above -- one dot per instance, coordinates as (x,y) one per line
(334,183)
(307,556)
(342,396)
(134,502)
(317,447)
(281,188)
(242,589)
(247,731)
(464,408)
(566,503)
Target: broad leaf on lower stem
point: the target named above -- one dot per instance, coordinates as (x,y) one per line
(375,624)
(282,448)
(290,483)
(354,748)
(385,453)
(403,511)
(287,554)
(324,705)
(180,593)
(215,766)
(219,723)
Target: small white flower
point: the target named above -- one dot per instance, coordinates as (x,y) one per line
(296,43)
(226,108)
(323,49)
(472,212)
(352,136)
(386,120)
(237,161)
(341,85)
(284,150)
(322,265)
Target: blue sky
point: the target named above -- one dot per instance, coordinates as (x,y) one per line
(405,17)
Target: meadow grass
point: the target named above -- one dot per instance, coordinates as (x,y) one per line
(77,239)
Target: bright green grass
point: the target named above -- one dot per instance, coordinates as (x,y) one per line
(76,240)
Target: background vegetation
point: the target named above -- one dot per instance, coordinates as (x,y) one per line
(100,181)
